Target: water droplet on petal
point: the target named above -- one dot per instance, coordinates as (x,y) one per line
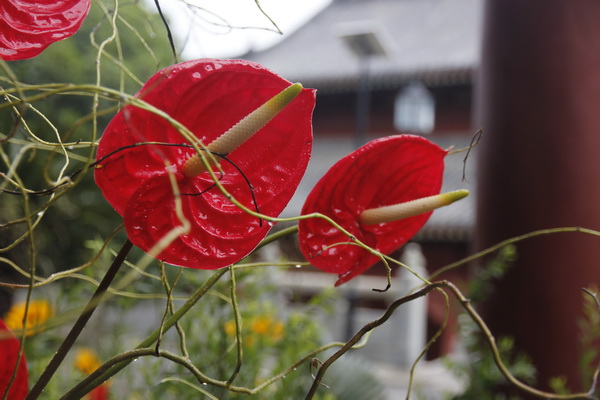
(334,251)
(331,231)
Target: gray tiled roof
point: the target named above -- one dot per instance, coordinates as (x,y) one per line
(436,41)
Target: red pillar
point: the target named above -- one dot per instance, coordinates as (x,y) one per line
(539,99)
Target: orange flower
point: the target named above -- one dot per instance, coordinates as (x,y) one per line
(261,325)
(229,327)
(38,314)
(267,327)
(86,361)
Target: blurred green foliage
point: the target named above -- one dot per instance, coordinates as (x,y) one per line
(479,371)
(274,338)
(589,327)
(140,48)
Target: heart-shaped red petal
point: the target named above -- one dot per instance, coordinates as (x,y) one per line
(9,353)
(386,171)
(27,27)
(208,97)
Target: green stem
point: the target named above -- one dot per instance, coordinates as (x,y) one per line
(96,379)
(80,323)
(290,230)
(238,327)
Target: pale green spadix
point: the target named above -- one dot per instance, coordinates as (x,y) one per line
(411,208)
(244,129)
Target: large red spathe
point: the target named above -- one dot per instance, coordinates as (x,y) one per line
(9,353)
(207,96)
(27,27)
(386,171)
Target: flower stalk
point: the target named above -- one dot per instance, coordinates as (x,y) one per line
(244,129)
(411,208)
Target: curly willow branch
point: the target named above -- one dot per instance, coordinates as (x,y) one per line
(430,343)
(126,358)
(529,235)
(474,316)
(96,379)
(268,17)
(81,322)
(169,34)
(70,273)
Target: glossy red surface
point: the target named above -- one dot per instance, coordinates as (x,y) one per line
(386,171)
(208,96)
(100,393)
(9,353)
(27,27)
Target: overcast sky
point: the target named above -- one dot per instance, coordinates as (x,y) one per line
(203,27)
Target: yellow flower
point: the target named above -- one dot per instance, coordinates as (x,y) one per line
(268,327)
(39,312)
(261,325)
(230,328)
(86,361)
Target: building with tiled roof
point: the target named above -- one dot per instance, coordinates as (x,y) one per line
(418,79)
(433,42)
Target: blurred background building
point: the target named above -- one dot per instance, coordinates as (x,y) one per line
(385,67)
(527,73)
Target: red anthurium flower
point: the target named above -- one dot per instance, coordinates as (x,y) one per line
(9,353)
(27,27)
(210,97)
(99,393)
(397,170)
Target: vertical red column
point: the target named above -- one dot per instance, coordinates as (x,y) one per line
(539,107)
